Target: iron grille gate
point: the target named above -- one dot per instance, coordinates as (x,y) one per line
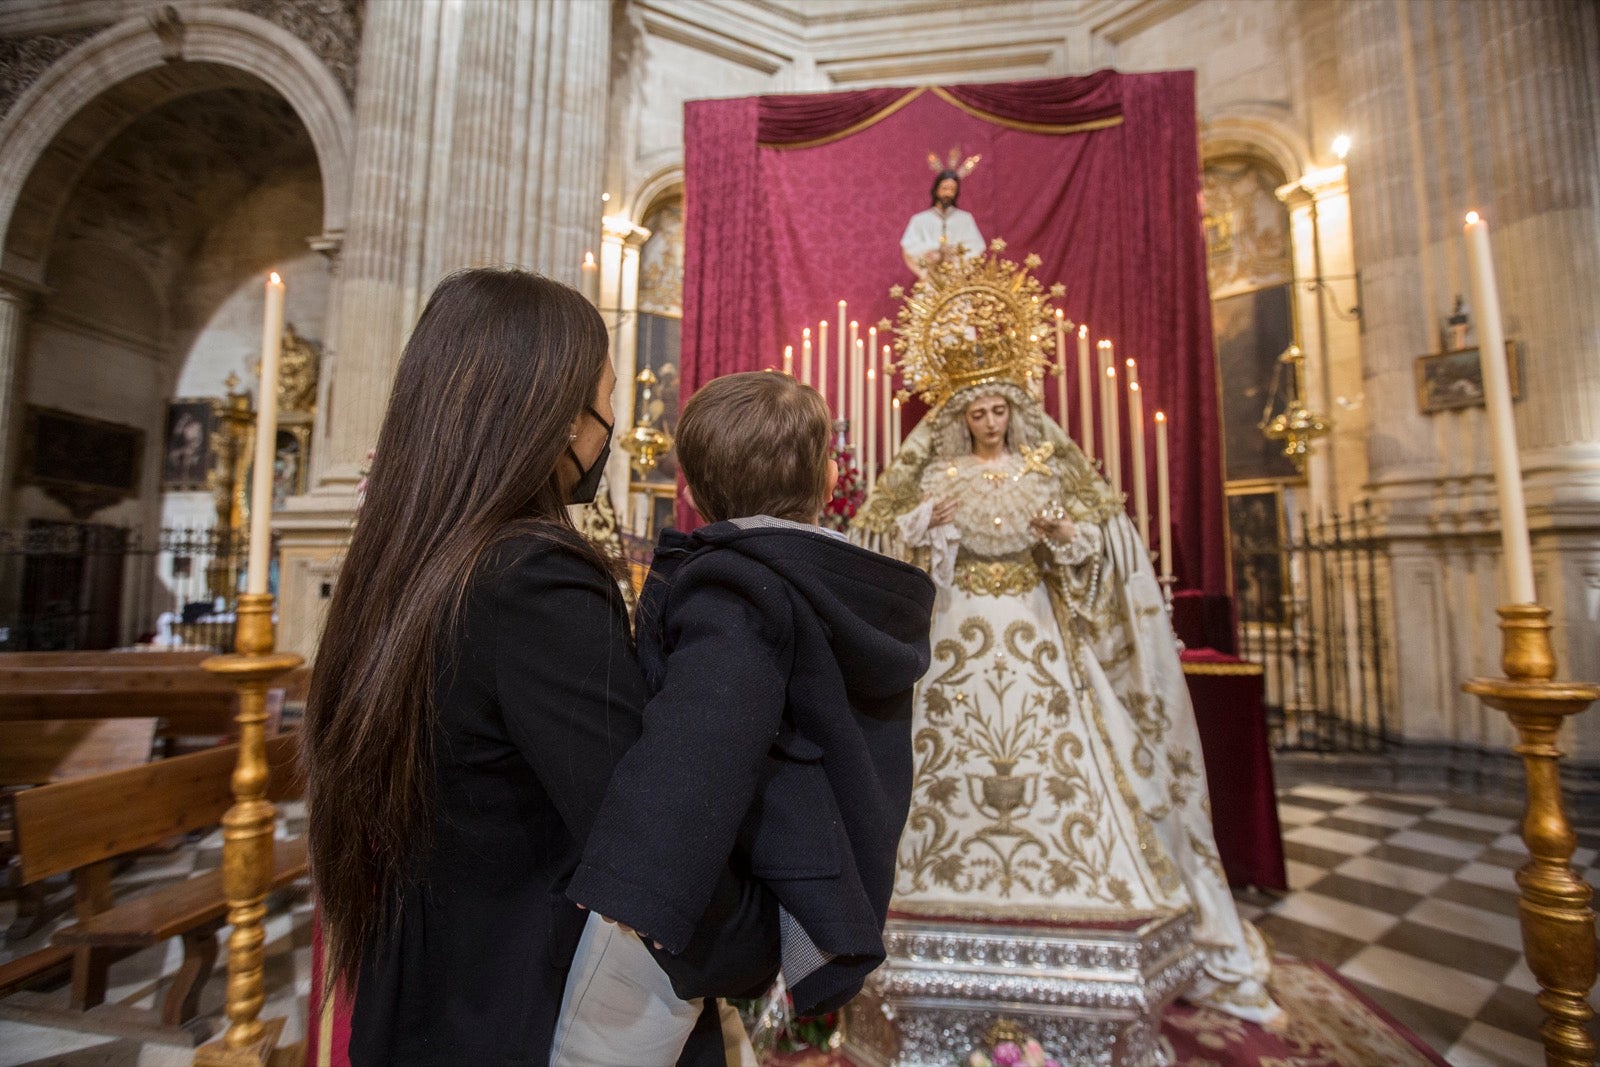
(77,586)
(1310,613)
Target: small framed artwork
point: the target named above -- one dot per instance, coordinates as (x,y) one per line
(1256,547)
(190,452)
(1450,381)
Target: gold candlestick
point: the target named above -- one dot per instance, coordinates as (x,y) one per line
(247,839)
(1558,934)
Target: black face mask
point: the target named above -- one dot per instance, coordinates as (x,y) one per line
(588,483)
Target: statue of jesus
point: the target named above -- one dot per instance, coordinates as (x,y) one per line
(933,235)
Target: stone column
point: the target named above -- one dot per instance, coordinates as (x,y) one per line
(480,133)
(619,303)
(1490,106)
(15,305)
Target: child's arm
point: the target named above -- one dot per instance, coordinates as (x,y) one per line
(678,797)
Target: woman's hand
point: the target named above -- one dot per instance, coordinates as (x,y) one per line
(944,511)
(1058,530)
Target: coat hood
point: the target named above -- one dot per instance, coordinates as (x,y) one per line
(876,609)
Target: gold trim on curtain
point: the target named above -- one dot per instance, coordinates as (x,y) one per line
(870,120)
(942,94)
(1031,127)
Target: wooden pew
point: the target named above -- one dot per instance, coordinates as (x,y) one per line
(191,701)
(54,750)
(37,752)
(83,824)
(102,659)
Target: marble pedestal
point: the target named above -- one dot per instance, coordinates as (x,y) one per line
(1091,993)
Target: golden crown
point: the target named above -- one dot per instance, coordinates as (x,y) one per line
(974,319)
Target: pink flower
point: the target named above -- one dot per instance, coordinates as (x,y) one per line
(1007,1054)
(1033,1053)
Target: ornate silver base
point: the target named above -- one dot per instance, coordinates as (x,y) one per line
(1090,995)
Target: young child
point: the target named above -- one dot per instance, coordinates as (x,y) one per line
(781,661)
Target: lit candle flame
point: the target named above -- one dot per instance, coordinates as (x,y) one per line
(1161,416)
(1472,218)
(276,280)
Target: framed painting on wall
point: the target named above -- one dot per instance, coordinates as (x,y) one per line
(1252,330)
(1255,540)
(1450,381)
(190,449)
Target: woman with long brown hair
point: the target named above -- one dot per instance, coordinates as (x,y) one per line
(474,687)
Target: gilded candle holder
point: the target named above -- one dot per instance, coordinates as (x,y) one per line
(1558,924)
(247,840)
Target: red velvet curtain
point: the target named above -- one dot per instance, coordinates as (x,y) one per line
(796,202)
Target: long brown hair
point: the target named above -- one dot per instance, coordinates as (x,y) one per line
(497,370)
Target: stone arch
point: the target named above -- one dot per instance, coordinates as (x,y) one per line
(85,98)
(1259,135)
(662,184)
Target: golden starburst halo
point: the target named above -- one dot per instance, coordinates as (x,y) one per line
(973,319)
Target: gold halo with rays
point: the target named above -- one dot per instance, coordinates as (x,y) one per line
(974,319)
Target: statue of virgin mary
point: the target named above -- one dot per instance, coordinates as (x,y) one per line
(1058,773)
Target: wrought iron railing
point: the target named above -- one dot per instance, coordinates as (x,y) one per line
(1311,613)
(67,586)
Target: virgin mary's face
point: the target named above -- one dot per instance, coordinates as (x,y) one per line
(987,419)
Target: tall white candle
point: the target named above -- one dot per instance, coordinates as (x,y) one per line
(1514,540)
(1141,489)
(858,377)
(894,431)
(805,357)
(872,428)
(822,364)
(788,360)
(1085,395)
(591,278)
(844,362)
(886,390)
(266,439)
(1113,430)
(1061,369)
(1163,495)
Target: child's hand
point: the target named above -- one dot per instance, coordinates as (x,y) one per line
(625,928)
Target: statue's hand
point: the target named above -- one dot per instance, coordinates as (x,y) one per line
(1058,530)
(944,511)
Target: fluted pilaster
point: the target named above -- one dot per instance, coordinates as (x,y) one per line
(480,134)
(481,130)
(14,305)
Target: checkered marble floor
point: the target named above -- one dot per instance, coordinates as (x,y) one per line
(1410,897)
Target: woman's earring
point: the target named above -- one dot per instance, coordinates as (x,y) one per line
(572,437)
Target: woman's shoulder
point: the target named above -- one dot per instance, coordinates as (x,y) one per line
(544,558)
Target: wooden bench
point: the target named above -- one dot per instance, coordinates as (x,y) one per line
(190,701)
(53,750)
(82,825)
(193,909)
(37,752)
